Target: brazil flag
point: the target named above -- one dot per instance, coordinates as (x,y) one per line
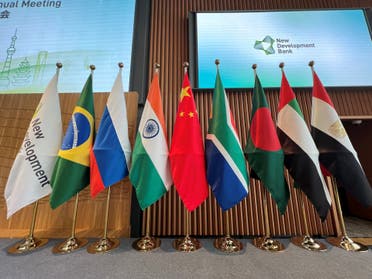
(71,172)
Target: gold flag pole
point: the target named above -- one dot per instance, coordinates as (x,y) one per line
(267,243)
(187,243)
(104,244)
(147,242)
(72,243)
(343,241)
(29,243)
(306,241)
(227,243)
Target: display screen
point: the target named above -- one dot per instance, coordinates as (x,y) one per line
(338,41)
(34,35)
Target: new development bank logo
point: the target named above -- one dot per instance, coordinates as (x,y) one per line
(283,45)
(266,45)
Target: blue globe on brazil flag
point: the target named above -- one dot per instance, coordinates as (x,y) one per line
(77,133)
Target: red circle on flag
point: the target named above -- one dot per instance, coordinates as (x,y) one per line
(263,132)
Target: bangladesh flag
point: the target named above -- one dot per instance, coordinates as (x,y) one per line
(71,172)
(301,157)
(263,150)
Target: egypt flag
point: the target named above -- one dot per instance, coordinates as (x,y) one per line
(301,157)
(150,172)
(226,169)
(263,150)
(29,178)
(187,152)
(109,158)
(71,171)
(337,154)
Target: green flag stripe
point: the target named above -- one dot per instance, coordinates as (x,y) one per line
(86,97)
(221,129)
(294,104)
(259,99)
(74,176)
(145,179)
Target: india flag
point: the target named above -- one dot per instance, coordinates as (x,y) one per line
(150,172)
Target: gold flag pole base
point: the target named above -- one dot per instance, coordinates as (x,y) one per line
(186,244)
(146,243)
(69,245)
(346,243)
(268,244)
(308,243)
(103,245)
(27,245)
(227,244)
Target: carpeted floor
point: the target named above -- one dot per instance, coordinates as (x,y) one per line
(165,262)
(356,227)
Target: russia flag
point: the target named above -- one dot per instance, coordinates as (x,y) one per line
(111,152)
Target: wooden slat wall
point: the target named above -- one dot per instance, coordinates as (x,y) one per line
(16,111)
(169,47)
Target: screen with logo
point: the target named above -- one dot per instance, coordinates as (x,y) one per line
(34,35)
(338,41)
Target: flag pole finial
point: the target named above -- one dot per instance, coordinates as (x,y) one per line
(281,66)
(121,65)
(254,67)
(217,62)
(156,67)
(185,66)
(311,65)
(59,66)
(92,67)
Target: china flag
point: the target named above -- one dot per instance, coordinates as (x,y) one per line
(187,152)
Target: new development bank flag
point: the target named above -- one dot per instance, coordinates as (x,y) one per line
(150,172)
(226,169)
(109,158)
(71,172)
(29,178)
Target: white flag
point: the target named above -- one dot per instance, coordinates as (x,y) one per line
(29,178)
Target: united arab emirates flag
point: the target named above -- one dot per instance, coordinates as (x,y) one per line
(337,154)
(263,150)
(301,157)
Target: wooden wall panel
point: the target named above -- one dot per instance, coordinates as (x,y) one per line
(15,113)
(169,47)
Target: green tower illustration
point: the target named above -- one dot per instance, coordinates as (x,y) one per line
(4,74)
